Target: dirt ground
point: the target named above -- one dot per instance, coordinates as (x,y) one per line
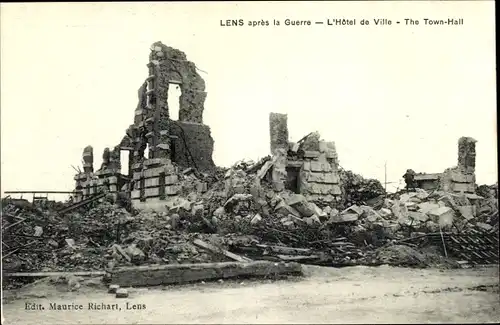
(326,295)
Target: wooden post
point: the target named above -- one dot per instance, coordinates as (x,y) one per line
(385,176)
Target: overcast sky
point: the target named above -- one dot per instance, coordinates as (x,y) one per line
(401,94)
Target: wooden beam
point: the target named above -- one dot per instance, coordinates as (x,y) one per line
(39,192)
(186,273)
(45,274)
(218,250)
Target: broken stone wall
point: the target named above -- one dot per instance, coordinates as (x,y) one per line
(462,178)
(278,132)
(319,179)
(428,182)
(187,142)
(192,144)
(154,182)
(154,140)
(107,178)
(309,168)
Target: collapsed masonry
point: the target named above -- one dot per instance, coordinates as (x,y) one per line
(458,179)
(308,167)
(154,140)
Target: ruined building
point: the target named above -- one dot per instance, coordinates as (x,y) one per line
(458,179)
(154,140)
(309,167)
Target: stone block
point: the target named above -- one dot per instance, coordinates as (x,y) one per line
(427,207)
(463,187)
(299,203)
(311,154)
(335,190)
(152,192)
(306,166)
(316,177)
(171,179)
(317,166)
(353,209)
(256,219)
(152,182)
(345,218)
(467,211)
(312,220)
(442,215)
(457,176)
(201,187)
(331,178)
(172,189)
(415,215)
(155,162)
(121,293)
(113,288)
(284,209)
(198,210)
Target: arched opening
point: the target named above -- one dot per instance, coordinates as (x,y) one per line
(146,152)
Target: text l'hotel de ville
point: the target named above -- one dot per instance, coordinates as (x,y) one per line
(450,21)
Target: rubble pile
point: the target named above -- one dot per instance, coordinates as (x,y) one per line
(243,213)
(359,190)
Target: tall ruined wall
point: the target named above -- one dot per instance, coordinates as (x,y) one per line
(154,135)
(152,123)
(174,68)
(462,178)
(278,131)
(467,155)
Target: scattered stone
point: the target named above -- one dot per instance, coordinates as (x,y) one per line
(353,210)
(442,215)
(70,242)
(256,219)
(121,293)
(38,231)
(284,209)
(468,211)
(113,288)
(345,218)
(418,216)
(385,213)
(289,224)
(219,212)
(137,256)
(174,221)
(427,207)
(312,220)
(197,210)
(299,203)
(53,243)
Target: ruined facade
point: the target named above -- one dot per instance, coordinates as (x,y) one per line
(458,179)
(308,167)
(154,140)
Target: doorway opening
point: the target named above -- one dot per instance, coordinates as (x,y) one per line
(174,100)
(292,179)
